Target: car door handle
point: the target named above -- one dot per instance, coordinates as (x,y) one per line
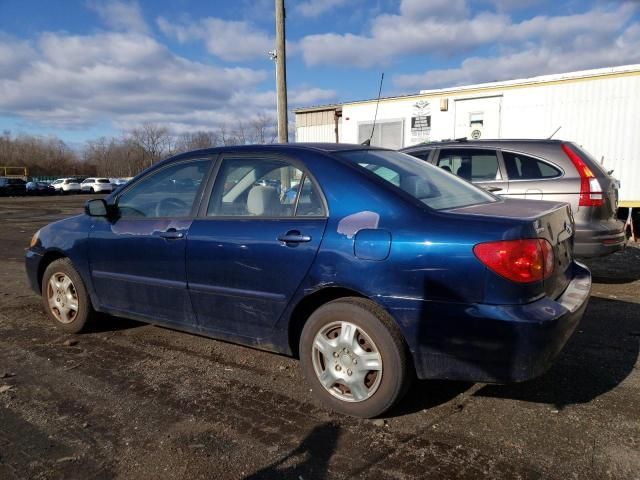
(492,189)
(294,237)
(171,234)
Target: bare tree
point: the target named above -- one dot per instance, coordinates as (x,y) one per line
(154,140)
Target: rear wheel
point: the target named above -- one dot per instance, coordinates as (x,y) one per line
(65,296)
(354,358)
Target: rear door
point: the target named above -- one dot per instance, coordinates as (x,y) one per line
(253,244)
(536,179)
(478,165)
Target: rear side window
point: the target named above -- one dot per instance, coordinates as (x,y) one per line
(523,167)
(260,187)
(476,165)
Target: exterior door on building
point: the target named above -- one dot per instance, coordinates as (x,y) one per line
(477,118)
(387,134)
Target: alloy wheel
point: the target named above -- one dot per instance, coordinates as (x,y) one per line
(62,297)
(347,362)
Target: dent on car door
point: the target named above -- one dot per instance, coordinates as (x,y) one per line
(252,247)
(137,257)
(477,165)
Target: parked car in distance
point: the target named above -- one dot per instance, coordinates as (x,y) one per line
(12,186)
(382,267)
(96,185)
(66,185)
(540,170)
(118,182)
(40,188)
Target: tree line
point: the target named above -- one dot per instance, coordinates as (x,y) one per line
(124,155)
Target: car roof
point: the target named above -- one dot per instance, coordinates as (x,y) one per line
(323,147)
(271,148)
(485,143)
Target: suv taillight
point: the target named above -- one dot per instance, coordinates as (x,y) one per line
(522,261)
(590,189)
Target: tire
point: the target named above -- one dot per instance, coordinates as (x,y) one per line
(70,316)
(376,342)
(92,190)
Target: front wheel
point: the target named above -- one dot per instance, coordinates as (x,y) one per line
(65,297)
(354,357)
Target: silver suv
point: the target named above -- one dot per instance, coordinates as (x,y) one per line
(540,170)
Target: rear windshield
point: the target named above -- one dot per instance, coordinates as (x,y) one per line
(433,186)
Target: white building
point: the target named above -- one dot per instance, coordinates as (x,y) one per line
(599,109)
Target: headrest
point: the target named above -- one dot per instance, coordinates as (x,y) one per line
(418,187)
(263,201)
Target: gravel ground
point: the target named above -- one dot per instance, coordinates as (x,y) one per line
(131,400)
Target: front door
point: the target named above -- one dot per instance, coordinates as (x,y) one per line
(249,252)
(137,258)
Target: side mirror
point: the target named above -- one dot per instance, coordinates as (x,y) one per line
(96,208)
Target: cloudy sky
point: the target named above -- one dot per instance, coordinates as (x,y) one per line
(80,69)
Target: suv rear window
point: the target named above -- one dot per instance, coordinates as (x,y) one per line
(523,167)
(431,185)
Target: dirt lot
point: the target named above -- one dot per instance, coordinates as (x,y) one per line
(136,401)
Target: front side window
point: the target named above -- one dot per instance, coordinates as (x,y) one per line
(257,187)
(425,182)
(523,167)
(169,192)
(475,165)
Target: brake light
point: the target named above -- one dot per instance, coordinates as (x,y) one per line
(590,189)
(522,261)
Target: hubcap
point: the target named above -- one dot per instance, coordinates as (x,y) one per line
(62,297)
(347,362)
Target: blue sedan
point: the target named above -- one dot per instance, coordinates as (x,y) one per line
(377,268)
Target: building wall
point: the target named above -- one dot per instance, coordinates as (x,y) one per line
(317,126)
(600,113)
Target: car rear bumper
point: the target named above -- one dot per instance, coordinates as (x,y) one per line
(500,343)
(599,239)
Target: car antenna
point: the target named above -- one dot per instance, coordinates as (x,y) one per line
(367,142)
(556,131)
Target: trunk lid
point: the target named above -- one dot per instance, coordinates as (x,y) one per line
(552,221)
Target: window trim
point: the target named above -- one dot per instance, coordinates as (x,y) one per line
(197,200)
(215,172)
(535,157)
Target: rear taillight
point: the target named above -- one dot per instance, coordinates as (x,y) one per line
(590,189)
(521,261)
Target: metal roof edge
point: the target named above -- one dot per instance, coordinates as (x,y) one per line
(596,72)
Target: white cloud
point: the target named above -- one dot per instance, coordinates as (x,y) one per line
(75,81)
(447,28)
(394,36)
(536,60)
(315,8)
(226,39)
(72,80)
(120,15)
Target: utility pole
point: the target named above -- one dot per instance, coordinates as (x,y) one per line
(281,73)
